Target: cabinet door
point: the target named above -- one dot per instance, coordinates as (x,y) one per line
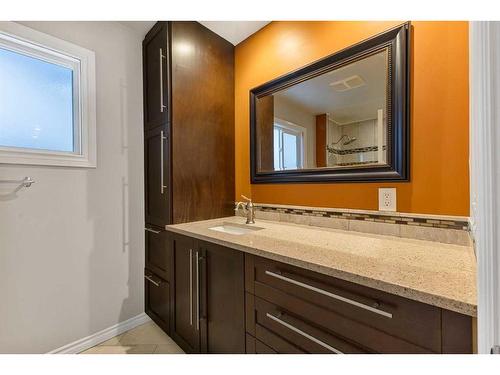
(186,325)
(223,307)
(156,76)
(158,251)
(157,293)
(157,176)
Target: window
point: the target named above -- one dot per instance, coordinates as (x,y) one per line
(288,145)
(47,99)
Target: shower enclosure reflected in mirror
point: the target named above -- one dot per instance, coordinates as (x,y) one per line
(343,118)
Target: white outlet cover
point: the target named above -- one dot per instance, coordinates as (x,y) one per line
(387,199)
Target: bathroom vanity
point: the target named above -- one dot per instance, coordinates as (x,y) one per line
(220,286)
(285,288)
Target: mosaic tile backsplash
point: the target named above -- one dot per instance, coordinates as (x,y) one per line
(446,229)
(381,218)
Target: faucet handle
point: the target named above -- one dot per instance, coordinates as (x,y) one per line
(246,198)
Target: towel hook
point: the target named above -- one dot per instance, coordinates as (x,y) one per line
(28,181)
(25,182)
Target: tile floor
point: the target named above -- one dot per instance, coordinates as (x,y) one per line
(147,338)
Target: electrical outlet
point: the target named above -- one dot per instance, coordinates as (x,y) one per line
(387,199)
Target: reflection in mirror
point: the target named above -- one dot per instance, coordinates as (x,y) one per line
(335,120)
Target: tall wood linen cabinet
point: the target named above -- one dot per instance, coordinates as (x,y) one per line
(188,78)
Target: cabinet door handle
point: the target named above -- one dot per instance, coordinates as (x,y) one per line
(302,333)
(197,291)
(331,295)
(151,280)
(162,56)
(162,185)
(152,230)
(190,287)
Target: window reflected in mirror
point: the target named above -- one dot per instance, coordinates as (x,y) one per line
(337,119)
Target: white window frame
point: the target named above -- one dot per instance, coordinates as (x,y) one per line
(297,130)
(21,39)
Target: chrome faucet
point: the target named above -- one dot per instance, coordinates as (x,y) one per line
(247,208)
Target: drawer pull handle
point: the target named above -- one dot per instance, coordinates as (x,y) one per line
(152,230)
(150,279)
(302,333)
(331,295)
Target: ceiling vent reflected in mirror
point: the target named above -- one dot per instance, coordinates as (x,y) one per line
(348,83)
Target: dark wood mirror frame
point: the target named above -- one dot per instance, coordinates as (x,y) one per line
(397,40)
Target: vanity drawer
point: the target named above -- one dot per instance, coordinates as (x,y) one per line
(349,336)
(158,251)
(157,299)
(377,320)
(287,332)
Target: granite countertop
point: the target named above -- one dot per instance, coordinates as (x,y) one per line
(438,274)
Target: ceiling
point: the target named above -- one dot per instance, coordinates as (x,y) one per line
(233,31)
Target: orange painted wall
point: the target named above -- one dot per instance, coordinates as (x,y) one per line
(439,113)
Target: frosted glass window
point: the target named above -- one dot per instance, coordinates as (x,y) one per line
(47,100)
(36,104)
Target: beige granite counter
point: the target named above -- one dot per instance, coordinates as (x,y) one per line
(438,274)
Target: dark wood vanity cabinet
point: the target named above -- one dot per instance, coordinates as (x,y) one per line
(157,193)
(293,310)
(227,301)
(188,77)
(208,296)
(188,158)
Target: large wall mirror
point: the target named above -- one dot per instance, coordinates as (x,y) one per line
(343,118)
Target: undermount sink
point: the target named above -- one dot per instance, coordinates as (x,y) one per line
(235,229)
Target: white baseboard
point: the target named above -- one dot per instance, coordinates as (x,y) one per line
(101,336)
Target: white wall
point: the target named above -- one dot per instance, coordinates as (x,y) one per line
(285,110)
(72,245)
